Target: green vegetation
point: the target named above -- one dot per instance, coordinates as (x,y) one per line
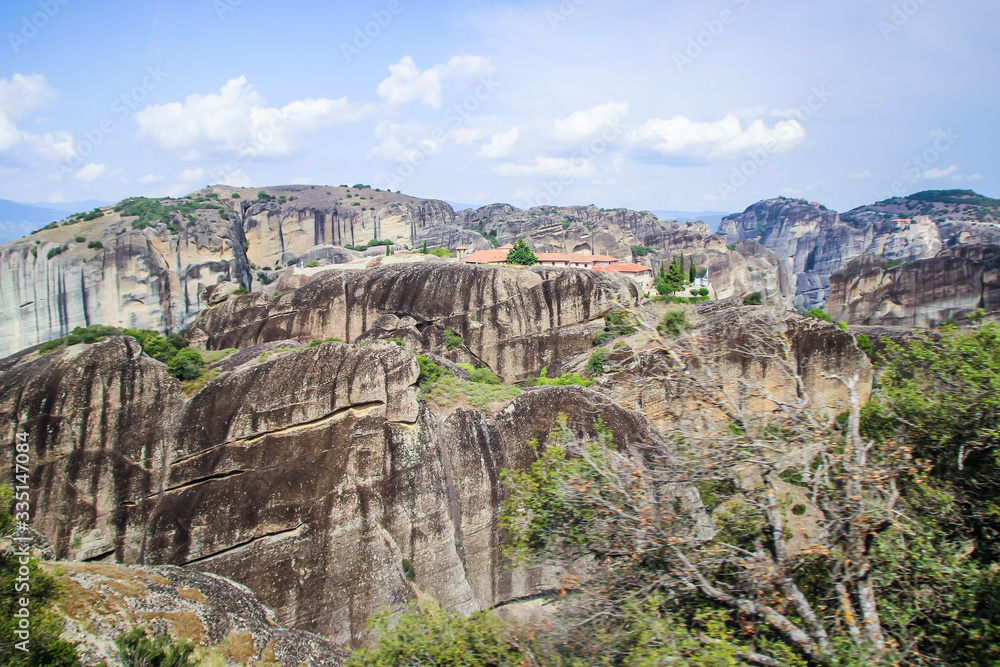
(642,251)
(864,342)
(28,581)
(136,649)
(452,340)
(843,326)
(595,364)
(264,356)
(95,245)
(564,380)
(674,324)
(240,291)
(819,314)
(566,224)
(438,637)
(891,263)
(187,364)
(672,279)
(80,239)
(448,391)
(312,265)
(56,251)
(370,244)
(755,299)
(521,254)
(153,212)
(429,371)
(235,195)
(484,375)
(618,323)
(317,342)
(967,197)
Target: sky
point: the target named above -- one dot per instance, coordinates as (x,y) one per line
(642,104)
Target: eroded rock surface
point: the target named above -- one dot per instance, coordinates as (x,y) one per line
(514,320)
(920,294)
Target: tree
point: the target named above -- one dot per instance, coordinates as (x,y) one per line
(692,273)
(186,364)
(424,250)
(521,254)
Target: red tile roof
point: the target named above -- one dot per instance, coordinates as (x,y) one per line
(624,268)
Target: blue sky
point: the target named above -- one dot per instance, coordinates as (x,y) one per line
(641,104)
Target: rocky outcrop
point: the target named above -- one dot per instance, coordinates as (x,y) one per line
(514,320)
(815,242)
(152,272)
(757,357)
(920,294)
(313,476)
(100,601)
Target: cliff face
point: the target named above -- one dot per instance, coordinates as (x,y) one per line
(151,272)
(514,320)
(921,294)
(310,477)
(815,242)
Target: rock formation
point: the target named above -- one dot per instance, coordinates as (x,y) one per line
(815,242)
(514,320)
(150,270)
(100,601)
(922,293)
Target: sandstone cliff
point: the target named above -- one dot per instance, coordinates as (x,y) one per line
(147,263)
(815,242)
(514,320)
(920,294)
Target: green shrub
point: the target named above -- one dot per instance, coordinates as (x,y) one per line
(565,224)
(240,291)
(429,371)
(439,638)
(755,299)
(440,252)
(674,324)
(312,265)
(95,245)
(397,341)
(452,340)
(521,254)
(58,250)
(186,364)
(448,391)
(564,380)
(408,570)
(136,649)
(843,326)
(864,342)
(595,365)
(317,342)
(235,195)
(80,239)
(819,314)
(642,251)
(484,375)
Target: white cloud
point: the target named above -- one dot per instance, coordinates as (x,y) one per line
(935,173)
(500,145)
(726,138)
(406,83)
(149,179)
(973,177)
(191,175)
(236,178)
(546,167)
(860,176)
(582,125)
(237,121)
(90,172)
(20,96)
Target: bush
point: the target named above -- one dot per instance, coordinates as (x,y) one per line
(239,291)
(95,245)
(843,326)
(136,649)
(235,195)
(186,364)
(317,342)
(674,324)
(80,239)
(819,314)
(564,380)
(642,250)
(452,340)
(864,342)
(55,251)
(312,265)
(755,299)
(439,637)
(429,371)
(595,365)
